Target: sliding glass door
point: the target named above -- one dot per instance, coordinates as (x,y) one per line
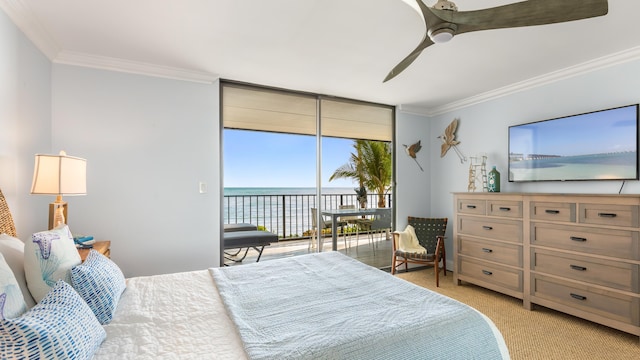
(280,149)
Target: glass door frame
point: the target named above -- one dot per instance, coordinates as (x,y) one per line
(319,137)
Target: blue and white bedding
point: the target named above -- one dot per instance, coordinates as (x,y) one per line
(171,316)
(330,306)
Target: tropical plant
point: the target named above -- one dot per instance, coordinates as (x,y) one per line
(370,166)
(361,196)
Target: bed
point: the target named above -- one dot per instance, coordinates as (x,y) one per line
(316,306)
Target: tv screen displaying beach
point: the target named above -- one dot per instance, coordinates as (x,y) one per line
(595,146)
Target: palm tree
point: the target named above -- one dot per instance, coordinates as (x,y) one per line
(370,166)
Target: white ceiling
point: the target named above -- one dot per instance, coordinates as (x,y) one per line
(336,47)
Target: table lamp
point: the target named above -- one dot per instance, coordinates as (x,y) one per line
(59,175)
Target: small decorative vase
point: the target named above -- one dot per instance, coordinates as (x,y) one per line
(494,180)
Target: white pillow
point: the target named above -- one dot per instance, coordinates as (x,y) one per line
(11,300)
(408,241)
(49,257)
(13,251)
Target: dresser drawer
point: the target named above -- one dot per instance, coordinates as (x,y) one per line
(510,209)
(553,211)
(495,274)
(615,215)
(472,206)
(497,229)
(609,304)
(617,275)
(508,254)
(617,243)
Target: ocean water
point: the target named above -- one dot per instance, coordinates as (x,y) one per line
(608,166)
(283,211)
(235,191)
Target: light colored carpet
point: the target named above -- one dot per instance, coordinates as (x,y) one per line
(539,334)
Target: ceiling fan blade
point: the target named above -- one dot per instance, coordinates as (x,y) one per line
(426,42)
(525,13)
(428,18)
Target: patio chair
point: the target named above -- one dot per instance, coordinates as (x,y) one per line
(430,233)
(314,228)
(344,222)
(315,231)
(381,223)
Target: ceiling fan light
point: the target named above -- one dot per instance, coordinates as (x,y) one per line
(441,35)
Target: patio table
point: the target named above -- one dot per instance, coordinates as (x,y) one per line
(337,213)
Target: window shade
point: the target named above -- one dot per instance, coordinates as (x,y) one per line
(250,107)
(255,108)
(356,120)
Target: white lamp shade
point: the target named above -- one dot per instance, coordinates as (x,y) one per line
(59,175)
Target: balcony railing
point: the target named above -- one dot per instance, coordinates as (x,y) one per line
(288,215)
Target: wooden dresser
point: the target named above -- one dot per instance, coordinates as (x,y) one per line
(579,254)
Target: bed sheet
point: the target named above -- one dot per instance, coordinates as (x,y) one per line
(172,316)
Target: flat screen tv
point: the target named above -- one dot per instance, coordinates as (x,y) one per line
(600,145)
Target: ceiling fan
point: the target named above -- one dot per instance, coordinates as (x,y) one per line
(443,21)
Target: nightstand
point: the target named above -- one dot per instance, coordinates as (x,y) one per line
(103,247)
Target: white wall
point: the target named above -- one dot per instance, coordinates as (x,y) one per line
(413,189)
(148,143)
(25,125)
(483,129)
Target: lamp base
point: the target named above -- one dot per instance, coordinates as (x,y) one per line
(57,213)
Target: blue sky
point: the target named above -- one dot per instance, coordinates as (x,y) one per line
(263,159)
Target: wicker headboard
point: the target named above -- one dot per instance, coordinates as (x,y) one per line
(6,220)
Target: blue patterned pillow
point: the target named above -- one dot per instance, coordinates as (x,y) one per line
(11,300)
(100,283)
(61,326)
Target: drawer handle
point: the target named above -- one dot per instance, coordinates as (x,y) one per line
(487,272)
(487,227)
(487,250)
(471,206)
(607,215)
(575,238)
(578,297)
(505,209)
(576,267)
(552,212)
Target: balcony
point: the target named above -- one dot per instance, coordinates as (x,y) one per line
(380,259)
(289,216)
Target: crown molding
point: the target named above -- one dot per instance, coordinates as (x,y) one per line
(23,18)
(133,67)
(414,110)
(614,59)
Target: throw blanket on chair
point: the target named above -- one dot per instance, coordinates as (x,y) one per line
(408,241)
